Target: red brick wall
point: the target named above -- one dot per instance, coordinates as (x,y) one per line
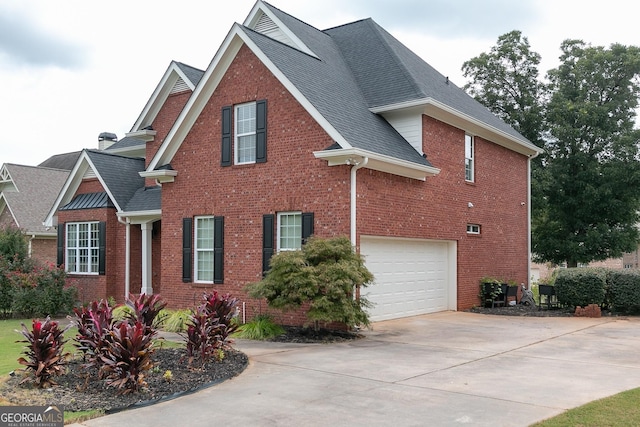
(291,179)
(44,250)
(438,208)
(95,287)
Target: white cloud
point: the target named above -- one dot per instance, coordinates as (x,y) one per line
(73,69)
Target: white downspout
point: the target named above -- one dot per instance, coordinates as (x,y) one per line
(354,194)
(33,236)
(529,217)
(127,255)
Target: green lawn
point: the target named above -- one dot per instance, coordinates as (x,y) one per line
(10,350)
(620,410)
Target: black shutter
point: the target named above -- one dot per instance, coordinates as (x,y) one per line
(102,247)
(187,224)
(307,226)
(226,137)
(218,249)
(261,131)
(60,254)
(267,241)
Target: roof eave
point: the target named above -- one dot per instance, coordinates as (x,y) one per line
(376,161)
(456,118)
(160,175)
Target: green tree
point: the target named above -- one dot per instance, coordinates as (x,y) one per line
(506,81)
(325,275)
(591,201)
(584,199)
(13,246)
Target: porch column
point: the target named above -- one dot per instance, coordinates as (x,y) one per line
(146,227)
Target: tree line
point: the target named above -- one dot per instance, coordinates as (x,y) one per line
(585,186)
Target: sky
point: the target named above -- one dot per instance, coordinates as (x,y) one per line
(72,69)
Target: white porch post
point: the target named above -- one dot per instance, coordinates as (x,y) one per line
(147,288)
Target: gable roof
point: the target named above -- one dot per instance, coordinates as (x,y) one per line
(178,77)
(64,161)
(28,192)
(118,175)
(346,77)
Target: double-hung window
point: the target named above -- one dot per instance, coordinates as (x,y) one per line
(245,133)
(203,256)
(289,231)
(83,247)
(469,174)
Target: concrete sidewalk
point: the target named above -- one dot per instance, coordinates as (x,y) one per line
(442,369)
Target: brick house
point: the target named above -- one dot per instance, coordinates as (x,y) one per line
(26,195)
(293,131)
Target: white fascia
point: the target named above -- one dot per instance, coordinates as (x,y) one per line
(445,113)
(377,162)
(212,77)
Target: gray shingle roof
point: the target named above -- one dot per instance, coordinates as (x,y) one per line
(37,189)
(145,199)
(120,174)
(388,72)
(362,66)
(64,161)
(192,73)
(332,89)
(126,142)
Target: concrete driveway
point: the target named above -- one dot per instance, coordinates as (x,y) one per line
(441,369)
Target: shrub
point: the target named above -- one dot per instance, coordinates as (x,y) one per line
(261,327)
(209,326)
(177,321)
(39,290)
(127,356)
(578,287)
(624,291)
(325,274)
(14,246)
(44,352)
(94,323)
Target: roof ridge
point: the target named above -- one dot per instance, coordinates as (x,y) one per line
(378,32)
(106,153)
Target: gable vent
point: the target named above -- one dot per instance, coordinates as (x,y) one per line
(89,174)
(266,26)
(180,86)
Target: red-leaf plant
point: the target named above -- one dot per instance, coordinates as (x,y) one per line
(94,323)
(222,308)
(44,352)
(209,327)
(144,308)
(128,356)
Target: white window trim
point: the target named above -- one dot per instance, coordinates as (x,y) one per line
(279,228)
(473,229)
(237,135)
(197,251)
(76,249)
(469,160)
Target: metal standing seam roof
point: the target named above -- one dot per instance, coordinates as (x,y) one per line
(88,201)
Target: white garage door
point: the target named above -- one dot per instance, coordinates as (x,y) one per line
(412,276)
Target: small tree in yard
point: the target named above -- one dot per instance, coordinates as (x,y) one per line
(325,274)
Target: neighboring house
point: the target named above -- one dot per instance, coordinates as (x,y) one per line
(292,131)
(26,196)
